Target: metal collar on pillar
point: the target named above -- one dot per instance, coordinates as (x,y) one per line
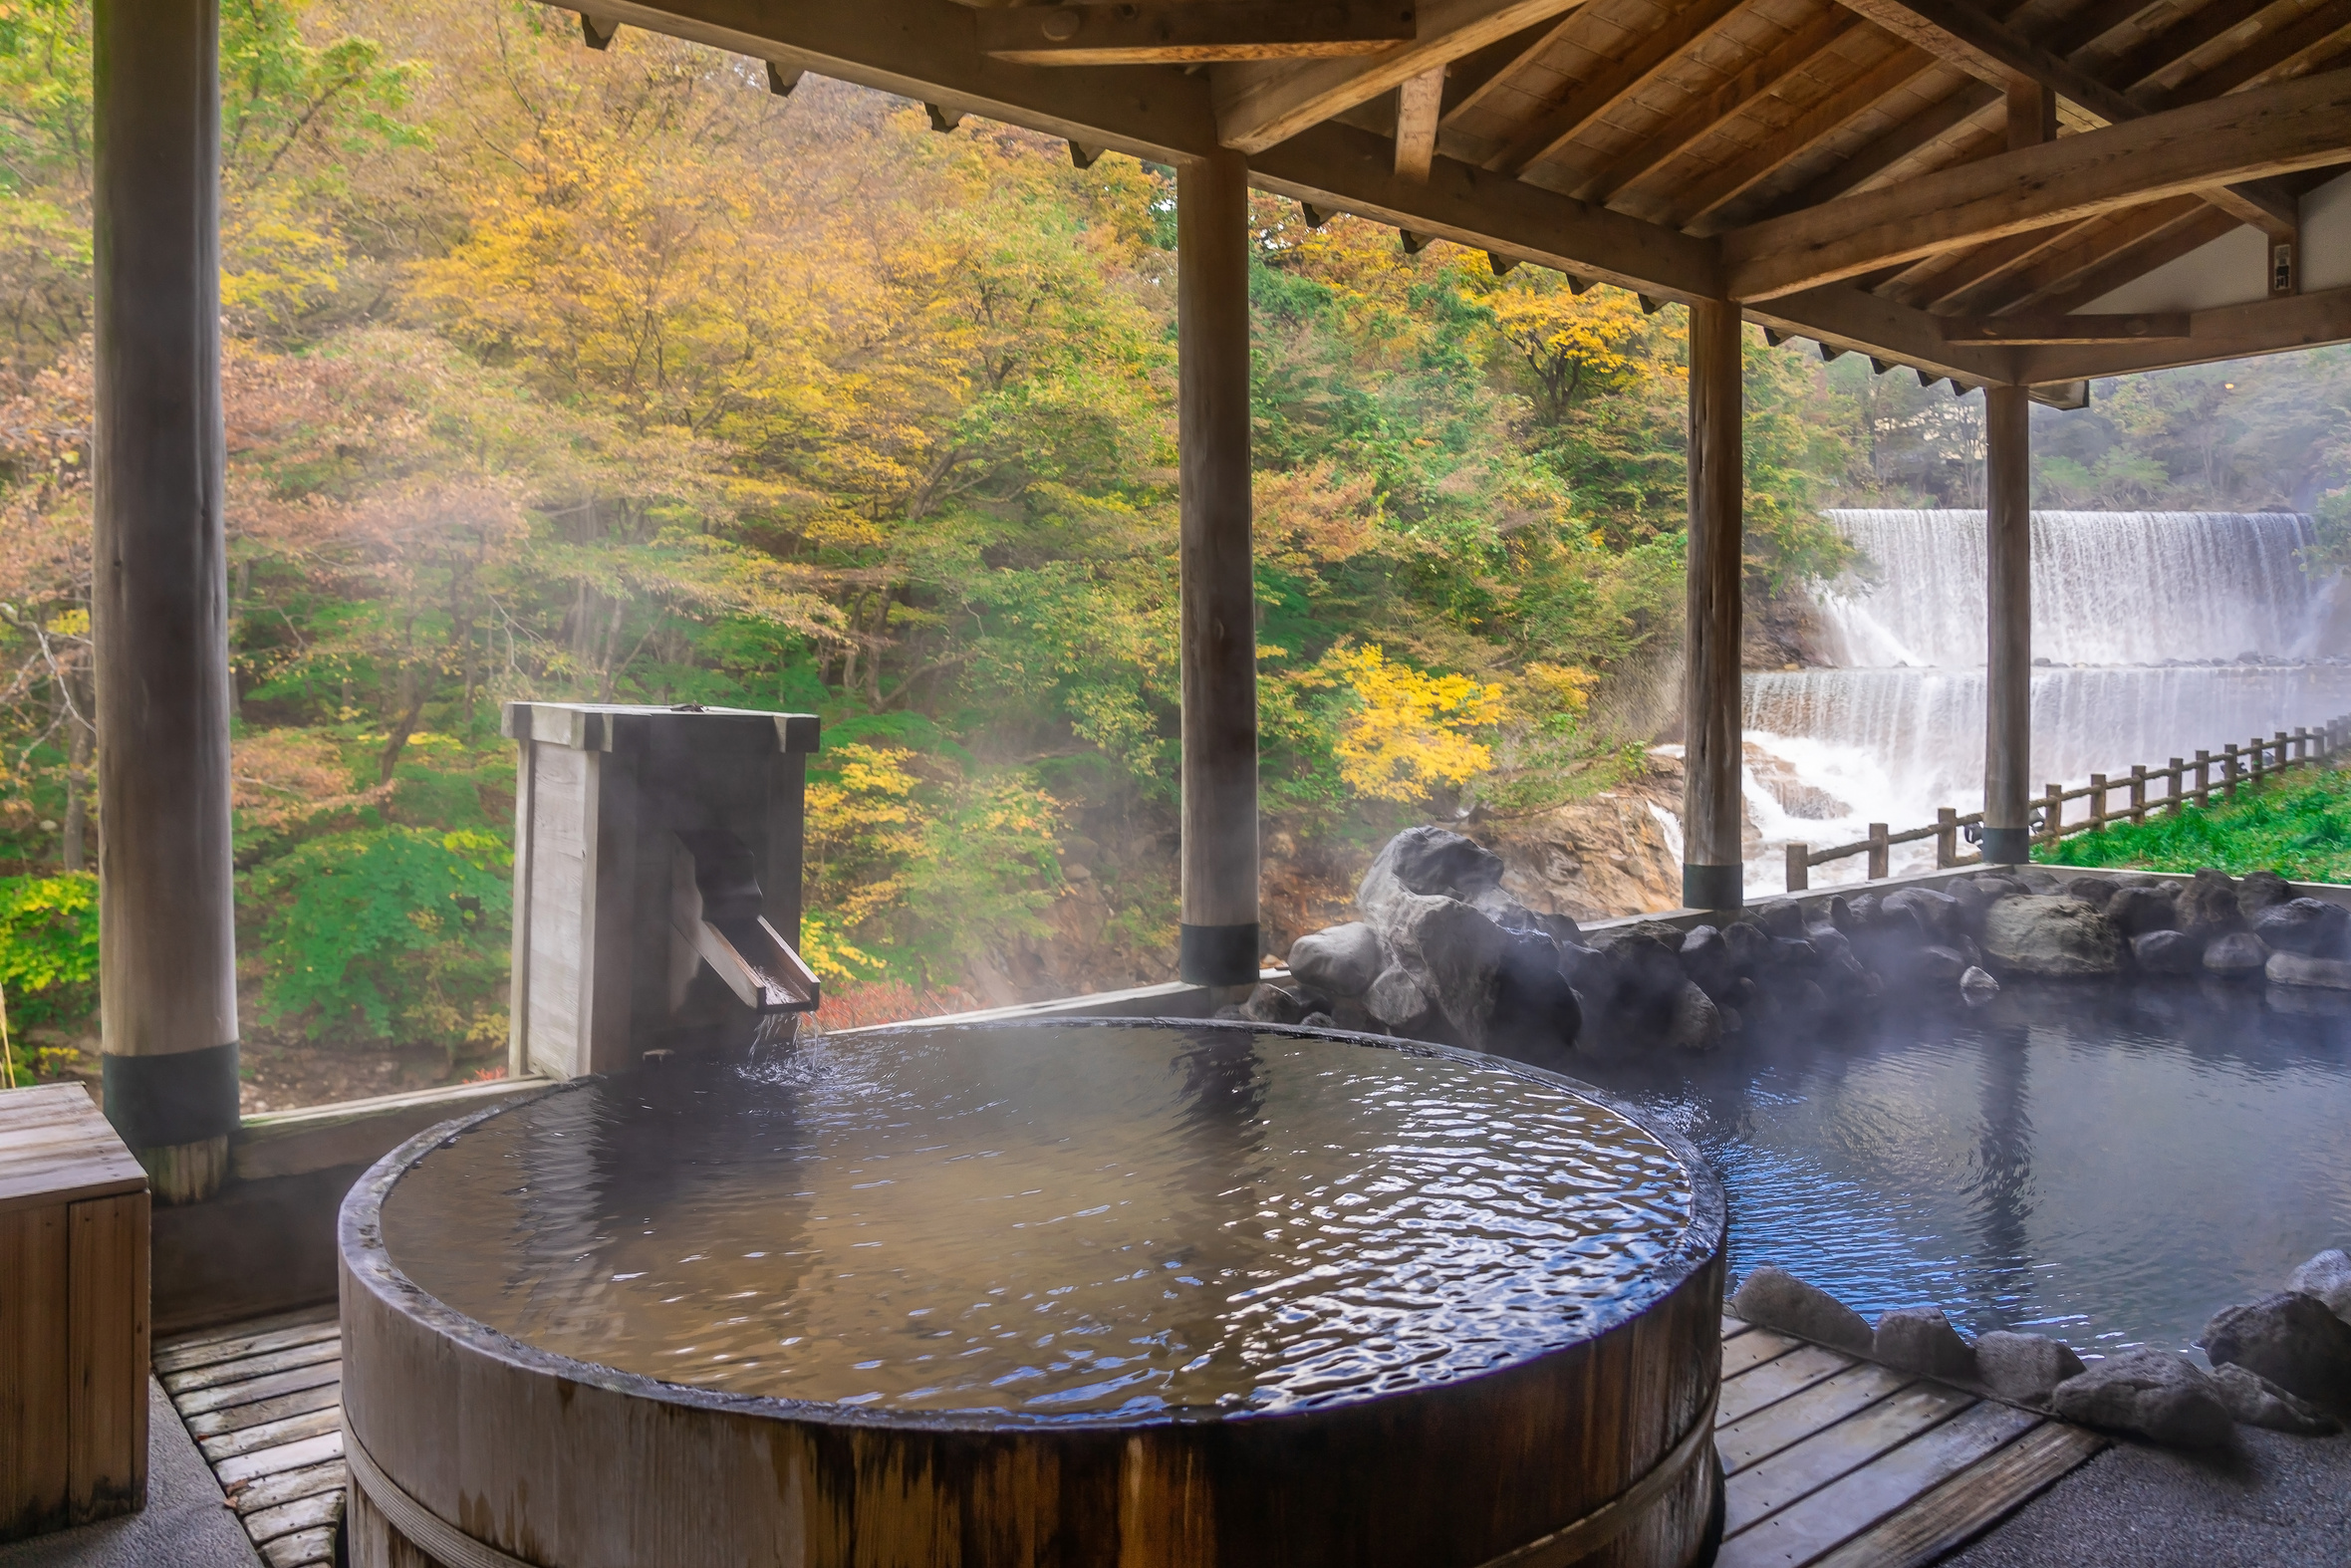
(1220,942)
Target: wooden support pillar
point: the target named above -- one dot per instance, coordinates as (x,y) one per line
(1218,935)
(2007,676)
(160,596)
(1711,814)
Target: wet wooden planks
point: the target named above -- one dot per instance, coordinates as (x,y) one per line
(1839,1463)
(1832,1460)
(264,1402)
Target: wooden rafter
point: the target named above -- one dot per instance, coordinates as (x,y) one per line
(1469,80)
(1191,31)
(1261,103)
(1704,115)
(1847,317)
(1612,84)
(1694,204)
(2138,67)
(2092,247)
(1994,53)
(1954,109)
(2314,36)
(2276,129)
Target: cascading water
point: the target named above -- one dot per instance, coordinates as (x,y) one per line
(2154,633)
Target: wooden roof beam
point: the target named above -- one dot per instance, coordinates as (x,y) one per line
(2276,129)
(1707,112)
(2272,325)
(1840,316)
(2312,37)
(1614,82)
(1337,166)
(2138,67)
(2090,247)
(1152,34)
(2042,330)
(1261,103)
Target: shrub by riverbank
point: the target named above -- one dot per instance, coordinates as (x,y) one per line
(2299,827)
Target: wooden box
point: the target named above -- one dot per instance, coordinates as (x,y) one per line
(72,1315)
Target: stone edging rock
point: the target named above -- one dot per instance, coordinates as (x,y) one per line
(2283,1362)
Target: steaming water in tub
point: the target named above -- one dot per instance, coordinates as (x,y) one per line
(1051,1222)
(2109,1163)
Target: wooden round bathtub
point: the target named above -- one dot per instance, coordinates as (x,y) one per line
(468,1445)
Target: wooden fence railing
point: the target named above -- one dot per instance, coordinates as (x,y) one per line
(2236,767)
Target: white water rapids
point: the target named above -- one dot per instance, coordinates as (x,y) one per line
(2155,633)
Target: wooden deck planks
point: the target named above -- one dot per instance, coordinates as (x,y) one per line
(263,1401)
(1792,1419)
(1838,1462)
(1833,1462)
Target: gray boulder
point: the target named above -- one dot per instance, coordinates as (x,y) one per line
(1773,1298)
(2167,952)
(1429,862)
(2152,1393)
(2256,1401)
(2093,890)
(2239,955)
(1343,959)
(1705,958)
(1921,1340)
(1455,953)
(1697,1023)
(2293,968)
(2024,1367)
(2292,1340)
(2259,889)
(1534,1007)
(2304,926)
(2328,1277)
(1747,944)
(1271,1004)
(1978,986)
(1397,1001)
(1318,1022)
(2206,904)
(2137,911)
(2051,937)
(1937,914)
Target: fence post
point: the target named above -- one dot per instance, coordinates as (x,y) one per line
(1799,867)
(1947,837)
(2228,771)
(2097,802)
(2204,778)
(2172,795)
(2053,814)
(2278,759)
(2301,746)
(2138,793)
(1881,853)
(2257,752)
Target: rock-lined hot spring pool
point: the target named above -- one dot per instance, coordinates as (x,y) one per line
(2106,1162)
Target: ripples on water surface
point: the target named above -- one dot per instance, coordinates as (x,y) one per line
(2109,1165)
(1049,1221)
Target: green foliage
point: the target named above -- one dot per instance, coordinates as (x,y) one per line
(2298,826)
(386,931)
(49,948)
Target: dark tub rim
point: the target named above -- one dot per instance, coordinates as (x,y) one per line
(360,1239)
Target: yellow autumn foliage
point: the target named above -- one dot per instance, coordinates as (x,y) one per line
(1411,733)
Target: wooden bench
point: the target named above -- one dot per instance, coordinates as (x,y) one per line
(72,1315)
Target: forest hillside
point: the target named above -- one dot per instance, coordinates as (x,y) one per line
(611,375)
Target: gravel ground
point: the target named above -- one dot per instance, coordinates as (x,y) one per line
(184,1524)
(2285,1503)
